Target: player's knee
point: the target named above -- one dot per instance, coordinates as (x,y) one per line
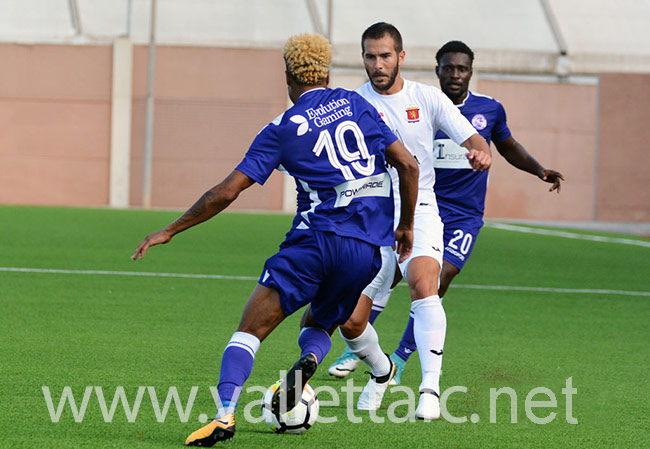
(422,288)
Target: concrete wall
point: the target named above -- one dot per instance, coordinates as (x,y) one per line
(210,105)
(55,118)
(55,112)
(623,190)
(556,123)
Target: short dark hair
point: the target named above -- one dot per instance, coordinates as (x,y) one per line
(455,47)
(379,30)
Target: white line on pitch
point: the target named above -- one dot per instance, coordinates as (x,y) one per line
(251,278)
(570,235)
(549,289)
(130,273)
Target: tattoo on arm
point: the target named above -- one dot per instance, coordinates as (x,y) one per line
(198,208)
(196,211)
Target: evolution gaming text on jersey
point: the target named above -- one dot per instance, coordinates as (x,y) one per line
(318,115)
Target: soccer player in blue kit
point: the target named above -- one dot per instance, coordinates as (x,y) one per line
(336,146)
(460,191)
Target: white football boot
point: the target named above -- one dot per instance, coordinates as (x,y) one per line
(344,365)
(428,407)
(373,392)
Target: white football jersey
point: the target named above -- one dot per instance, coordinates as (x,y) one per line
(415,114)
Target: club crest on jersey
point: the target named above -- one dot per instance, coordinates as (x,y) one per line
(479,122)
(413,114)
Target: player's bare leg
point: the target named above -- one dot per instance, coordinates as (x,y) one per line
(449,272)
(362,338)
(356,324)
(262,313)
(348,361)
(429,328)
(422,277)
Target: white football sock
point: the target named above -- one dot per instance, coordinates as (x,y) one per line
(380,301)
(429,328)
(366,347)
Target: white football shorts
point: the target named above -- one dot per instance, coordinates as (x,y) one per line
(381,283)
(427,238)
(427,242)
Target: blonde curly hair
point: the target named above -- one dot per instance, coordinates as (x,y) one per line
(307,57)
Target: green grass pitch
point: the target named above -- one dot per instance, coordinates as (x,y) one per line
(114,330)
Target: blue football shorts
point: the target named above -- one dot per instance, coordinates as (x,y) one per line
(324,269)
(460,233)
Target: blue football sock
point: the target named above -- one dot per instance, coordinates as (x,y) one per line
(407,345)
(378,305)
(314,340)
(236,366)
(373,315)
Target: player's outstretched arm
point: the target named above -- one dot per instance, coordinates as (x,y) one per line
(517,156)
(210,204)
(409,173)
(480,155)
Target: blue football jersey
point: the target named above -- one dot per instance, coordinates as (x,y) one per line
(333,142)
(458,188)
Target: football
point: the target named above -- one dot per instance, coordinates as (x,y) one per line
(296,420)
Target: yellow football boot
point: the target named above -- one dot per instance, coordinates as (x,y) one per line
(221,429)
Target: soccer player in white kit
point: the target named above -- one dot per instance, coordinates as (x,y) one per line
(414,112)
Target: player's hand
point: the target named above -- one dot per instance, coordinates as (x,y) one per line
(479,160)
(155,238)
(553,177)
(404,239)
